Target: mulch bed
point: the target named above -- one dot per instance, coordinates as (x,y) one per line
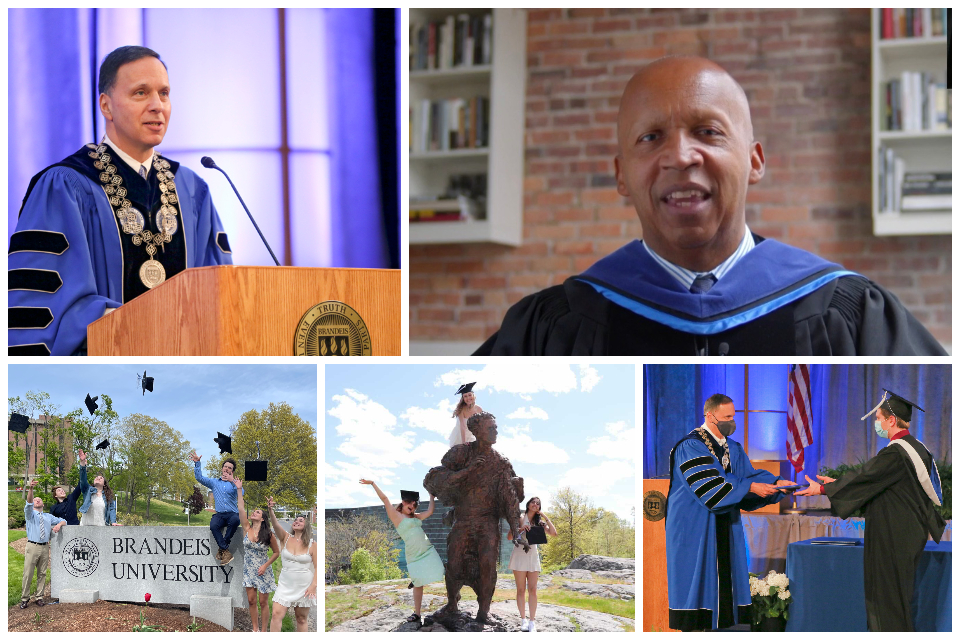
(104,616)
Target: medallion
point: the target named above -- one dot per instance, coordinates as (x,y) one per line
(152,273)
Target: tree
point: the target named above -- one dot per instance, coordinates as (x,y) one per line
(48,434)
(88,432)
(196,503)
(154,457)
(289,444)
(574,516)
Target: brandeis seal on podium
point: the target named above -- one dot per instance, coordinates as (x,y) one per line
(332,328)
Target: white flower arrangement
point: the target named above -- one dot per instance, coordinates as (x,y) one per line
(770,595)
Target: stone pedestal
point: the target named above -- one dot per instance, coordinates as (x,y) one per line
(79,595)
(216,609)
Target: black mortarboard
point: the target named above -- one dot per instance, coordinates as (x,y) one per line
(223,442)
(103,445)
(537,535)
(409,496)
(18,423)
(897,405)
(91,403)
(465,388)
(255,470)
(146,383)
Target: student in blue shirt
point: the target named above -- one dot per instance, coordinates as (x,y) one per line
(39,527)
(225,502)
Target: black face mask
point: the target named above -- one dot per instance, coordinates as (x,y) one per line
(726,427)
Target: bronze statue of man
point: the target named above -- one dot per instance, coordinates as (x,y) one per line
(481,485)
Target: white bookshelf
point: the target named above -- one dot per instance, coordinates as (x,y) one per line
(504,83)
(920,150)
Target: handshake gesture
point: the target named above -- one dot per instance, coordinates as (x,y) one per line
(766,490)
(814,488)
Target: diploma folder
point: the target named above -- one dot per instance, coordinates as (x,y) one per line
(536,535)
(231,310)
(842,542)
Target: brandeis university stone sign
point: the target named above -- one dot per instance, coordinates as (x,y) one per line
(124,563)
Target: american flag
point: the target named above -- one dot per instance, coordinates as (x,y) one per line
(799,415)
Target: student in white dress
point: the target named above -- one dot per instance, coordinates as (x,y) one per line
(525,561)
(465,408)
(297,586)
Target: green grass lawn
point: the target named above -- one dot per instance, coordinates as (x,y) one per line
(15,576)
(169,513)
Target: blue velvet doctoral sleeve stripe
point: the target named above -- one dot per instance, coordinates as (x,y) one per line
(696,462)
(693,478)
(62,203)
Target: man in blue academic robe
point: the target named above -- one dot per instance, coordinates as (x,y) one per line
(700,282)
(109,222)
(711,480)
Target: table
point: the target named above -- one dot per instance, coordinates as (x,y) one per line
(826,582)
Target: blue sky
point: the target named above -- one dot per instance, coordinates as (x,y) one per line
(560,425)
(196,400)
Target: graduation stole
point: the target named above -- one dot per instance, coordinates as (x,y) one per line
(930,484)
(726,449)
(152,272)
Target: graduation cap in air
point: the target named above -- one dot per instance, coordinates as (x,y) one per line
(91,403)
(103,445)
(255,470)
(409,496)
(897,405)
(18,423)
(145,383)
(223,441)
(465,388)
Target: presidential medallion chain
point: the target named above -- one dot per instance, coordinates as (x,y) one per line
(131,220)
(726,449)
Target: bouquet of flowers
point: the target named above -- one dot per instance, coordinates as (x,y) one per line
(770,596)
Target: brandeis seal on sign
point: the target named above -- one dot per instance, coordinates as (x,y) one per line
(81,557)
(332,328)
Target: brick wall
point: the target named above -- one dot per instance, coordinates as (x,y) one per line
(807,75)
(433,526)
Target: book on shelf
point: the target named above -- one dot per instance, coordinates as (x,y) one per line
(445,125)
(916,102)
(913,23)
(902,191)
(461,40)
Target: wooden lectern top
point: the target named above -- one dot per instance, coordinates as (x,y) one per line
(234,310)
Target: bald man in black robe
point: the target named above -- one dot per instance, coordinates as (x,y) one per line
(700,283)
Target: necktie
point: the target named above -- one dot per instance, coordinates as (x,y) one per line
(143,172)
(703,283)
(43,527)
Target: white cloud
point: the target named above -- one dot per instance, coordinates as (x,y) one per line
(619,444)
(522,379)
(341,484)
(429,453)
(369,431)
(529,413)
(597,482)
(589,378)
(437,419)
(516,444)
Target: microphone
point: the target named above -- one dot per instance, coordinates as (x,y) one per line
(208,162)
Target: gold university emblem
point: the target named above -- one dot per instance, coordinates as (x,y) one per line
(332,328)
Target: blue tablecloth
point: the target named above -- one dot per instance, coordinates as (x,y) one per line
(826,582)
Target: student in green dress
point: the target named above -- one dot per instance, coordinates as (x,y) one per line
(423,562)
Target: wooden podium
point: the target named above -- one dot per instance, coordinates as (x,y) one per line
(656,607)
(246,311)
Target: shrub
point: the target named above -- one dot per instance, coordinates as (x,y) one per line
(130,520)
(15,518)
(344,535)
(368,567)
